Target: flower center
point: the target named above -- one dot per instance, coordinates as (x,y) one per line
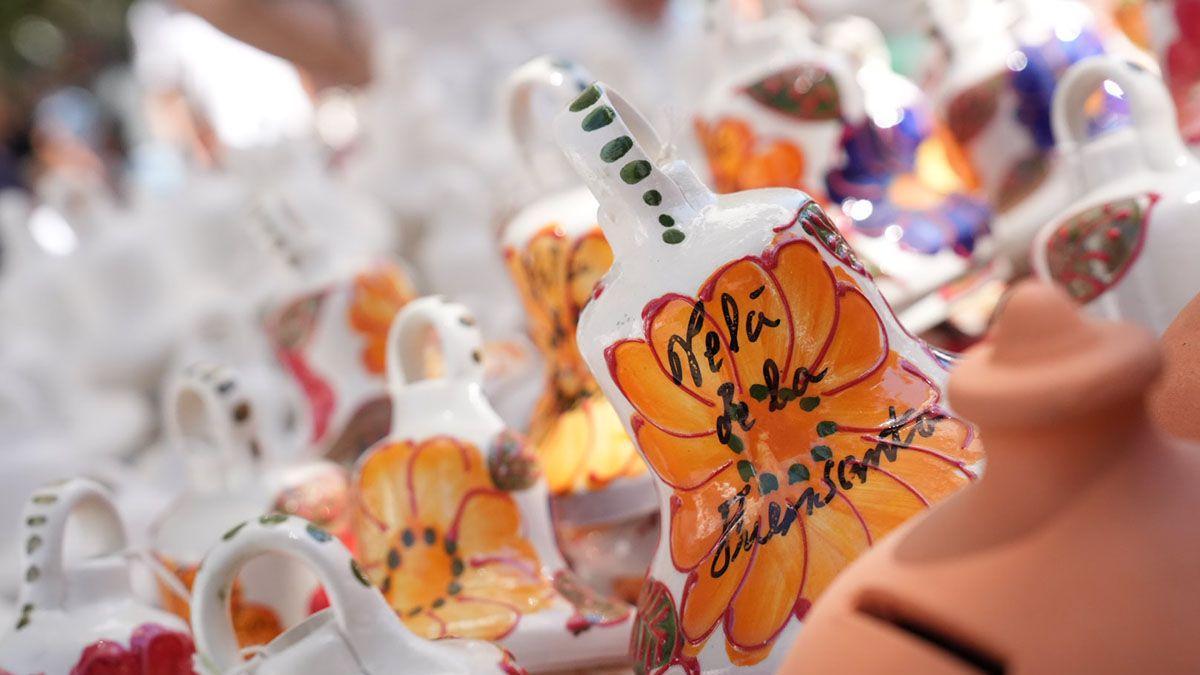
(428,566)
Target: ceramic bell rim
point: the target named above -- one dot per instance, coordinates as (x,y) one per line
(210,420)
(1150,142)
(1045,363)
(47,581)
(366,626)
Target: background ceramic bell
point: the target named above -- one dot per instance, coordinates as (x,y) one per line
(1061,400)
(764,379)
(1125,245)
(604,503)
(1174,36)
(357,634)
(77,612)
(211,422)
(454,525)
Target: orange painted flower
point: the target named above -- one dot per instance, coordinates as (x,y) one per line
(443,543)
(254,624)
(738,161)
(378,295)
(790,432)
(577,435)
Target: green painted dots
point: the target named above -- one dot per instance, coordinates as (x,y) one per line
(586,98)
(599,118)
(652,197)
(616,149)
(666,221)
(635,171)
(672,236)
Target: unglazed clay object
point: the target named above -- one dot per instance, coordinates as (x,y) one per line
(998,578)
(1126,246)
(454,523)
(81,616)
(787,417)
(358,634)
(1174,401)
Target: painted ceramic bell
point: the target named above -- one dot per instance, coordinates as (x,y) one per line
(1175,39)
(773,116)
(995,98)
(358,634)
(1124,247)
(330,334)
(454,525)
(79,614)
(211,421)
(991,581)
(788,418)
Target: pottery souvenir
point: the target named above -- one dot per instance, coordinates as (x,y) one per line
(211,422)
(1175,38)
(773,115)
(331,331)
(454,524)
(358,634)
(998,578)
(1125,246)
(995,99)
(77,612)
(787,417)
(556,254)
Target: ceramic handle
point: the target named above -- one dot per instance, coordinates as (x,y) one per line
(644,199)
(361,613)
(211,420)
(1149,101)
(565,79)
(44,522)
(459,339)
(282,229)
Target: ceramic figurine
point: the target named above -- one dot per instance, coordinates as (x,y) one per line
(1082,492)
(995,98)
(358,634)
(81,616)
(1125,246)
(330,334)
(211,421)
(454,525)
(787,417)
(556,254)
(774,113)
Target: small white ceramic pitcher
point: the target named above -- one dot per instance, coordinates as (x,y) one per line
(77,614)
(1126,246)
(358,634)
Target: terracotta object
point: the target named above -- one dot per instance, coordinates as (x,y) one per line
(1125,246)
(453,523)
(1068,555)
(1175,401)
(764,379)
(358,634)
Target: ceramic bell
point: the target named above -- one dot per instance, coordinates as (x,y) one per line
(329,332)
(1175,39)
(454,525)
(78,614)
(995,98)
(773,115)
(1124,247)
(787,417)
(211,422)
(358,634)
(604,500)
(1075,499)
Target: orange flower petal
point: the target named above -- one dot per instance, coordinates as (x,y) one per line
(489,527)
(699,364)
(476,618)
(428,627)
(564,450)
(747,657)
(706,598)
(650,390)
(440,472)
(382,487)
(747,296)
(590,260)
(768,596)
(884,500)
(890,394)
(835,536)
(513,582)
(696,521)
(809,287)
(859,345)
(683,463)
(611,448)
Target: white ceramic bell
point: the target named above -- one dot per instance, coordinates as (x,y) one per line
(1124,247)
(358,634)
(74,613)
(454,522)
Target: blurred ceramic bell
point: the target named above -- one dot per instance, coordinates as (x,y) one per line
(1061,401)
(788,418)
(77,613)
(557,254)
(1125,247)
(454,522)
(1174,36)
(358,634)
